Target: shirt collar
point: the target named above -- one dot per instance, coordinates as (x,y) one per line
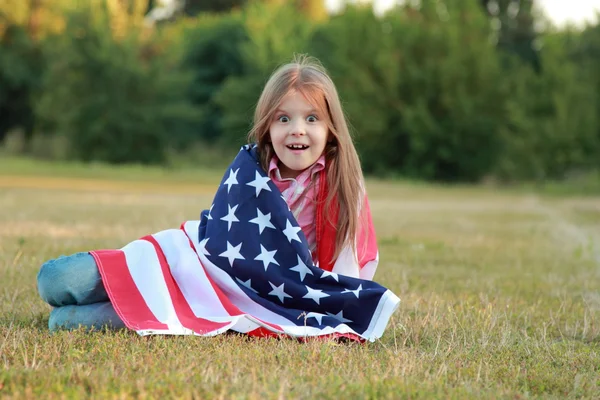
(319,165)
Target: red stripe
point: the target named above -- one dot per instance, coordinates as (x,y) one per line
(274,326)
(182,308)
(122,291)
(263,332)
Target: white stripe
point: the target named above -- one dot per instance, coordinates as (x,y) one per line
(181,331)
(190,276)
(244,325)
(145,270)
(386,307)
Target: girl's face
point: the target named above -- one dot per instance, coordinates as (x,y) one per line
(298,133)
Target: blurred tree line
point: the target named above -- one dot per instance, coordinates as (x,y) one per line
(452,90)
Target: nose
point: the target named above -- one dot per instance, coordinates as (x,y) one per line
(297,128)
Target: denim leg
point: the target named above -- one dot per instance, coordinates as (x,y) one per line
(71,280)
(97,315)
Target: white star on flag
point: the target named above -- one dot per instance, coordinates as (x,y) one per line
(232,253)
(267,257)
(278,291)
(355,292)
(315,294)
(246,284)
(331,274)
(259,183)
(230,217)
(291,232)
(339,316)
(262,220)
(317,316)
(231,179)
(302,269)
(202,247)
(209,211)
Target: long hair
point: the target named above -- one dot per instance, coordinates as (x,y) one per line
(344,175)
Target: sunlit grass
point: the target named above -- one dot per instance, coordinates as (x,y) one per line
(500,296)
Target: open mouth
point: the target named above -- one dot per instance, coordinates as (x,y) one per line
(297,147)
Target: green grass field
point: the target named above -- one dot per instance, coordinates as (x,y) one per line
(500,296)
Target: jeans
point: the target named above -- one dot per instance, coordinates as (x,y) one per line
(73,286)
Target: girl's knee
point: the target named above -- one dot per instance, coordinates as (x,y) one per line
(57,276)
(47,278)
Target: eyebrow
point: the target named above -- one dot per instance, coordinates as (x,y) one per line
(311,111)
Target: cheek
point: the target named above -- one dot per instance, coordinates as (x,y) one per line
(275,135)
(271,134)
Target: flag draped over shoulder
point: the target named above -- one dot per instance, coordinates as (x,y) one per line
(246,267)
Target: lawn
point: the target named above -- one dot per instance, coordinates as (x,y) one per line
(500,296)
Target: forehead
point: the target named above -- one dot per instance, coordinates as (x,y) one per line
(301,102)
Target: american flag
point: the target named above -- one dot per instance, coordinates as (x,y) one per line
(245,266)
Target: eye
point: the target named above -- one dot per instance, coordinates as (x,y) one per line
(312,118)
(283,118)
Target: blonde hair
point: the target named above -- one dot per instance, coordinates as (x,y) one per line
(344,175)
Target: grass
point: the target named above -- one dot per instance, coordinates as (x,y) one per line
(500,296)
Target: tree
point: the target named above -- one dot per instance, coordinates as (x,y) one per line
(275,32)
(116,97)
(552,119)
(420,87)
(21,65)
(584,50)
(194,7)
(212,53)
(515,28)
(314,10)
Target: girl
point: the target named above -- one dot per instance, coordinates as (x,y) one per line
(287,246)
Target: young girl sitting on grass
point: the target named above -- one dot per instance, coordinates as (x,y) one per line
(287,247)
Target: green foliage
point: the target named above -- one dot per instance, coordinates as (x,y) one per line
(275,33)
(515,31)
(453,105)
(194,7)
(212,52)
(115,99)
(586,53)
(420,87)
(459,90)
(358,51)
(552,120)
(21,64)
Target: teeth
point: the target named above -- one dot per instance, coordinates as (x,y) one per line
(297,146)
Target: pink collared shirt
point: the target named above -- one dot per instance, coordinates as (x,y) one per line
(300,195)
